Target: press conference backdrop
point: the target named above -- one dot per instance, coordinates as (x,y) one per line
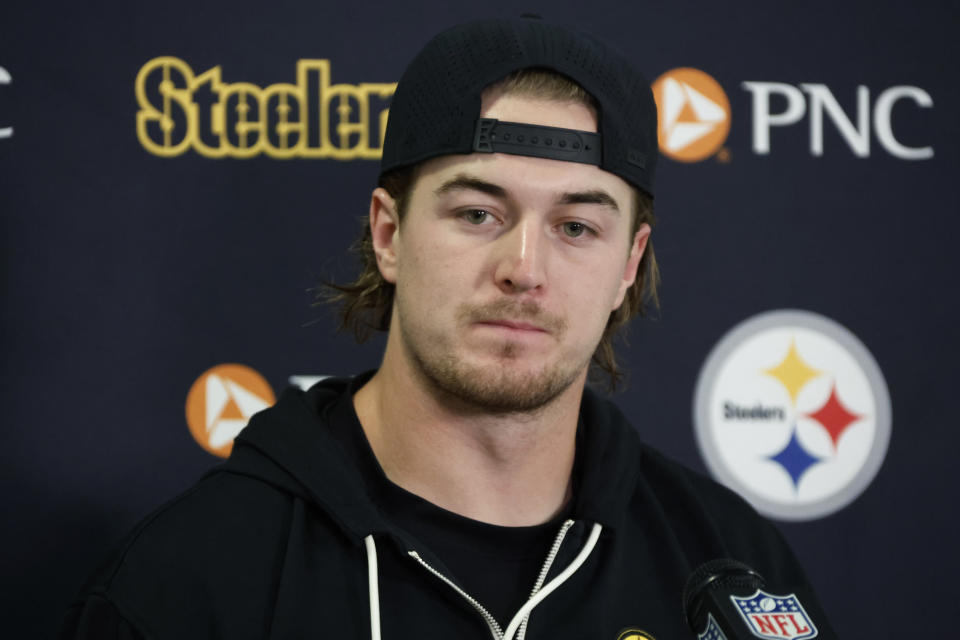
(175,176)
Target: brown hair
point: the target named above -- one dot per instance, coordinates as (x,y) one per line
(367,302)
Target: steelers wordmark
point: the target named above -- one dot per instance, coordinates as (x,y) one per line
(792,412)
(221,402)
(694,114)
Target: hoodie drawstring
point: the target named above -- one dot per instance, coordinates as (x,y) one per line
(374,586)
(518,618)
(558,580)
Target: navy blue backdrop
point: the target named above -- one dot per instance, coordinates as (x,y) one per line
(132,265)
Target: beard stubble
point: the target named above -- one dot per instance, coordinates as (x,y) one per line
(494,387)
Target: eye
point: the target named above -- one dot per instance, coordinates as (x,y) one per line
(475,216)
(575,229)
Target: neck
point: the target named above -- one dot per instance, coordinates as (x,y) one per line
(504,469)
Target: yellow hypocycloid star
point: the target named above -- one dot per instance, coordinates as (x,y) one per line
(793,372)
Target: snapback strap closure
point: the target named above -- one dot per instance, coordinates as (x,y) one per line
(538,141)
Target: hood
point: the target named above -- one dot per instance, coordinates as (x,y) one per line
(291,446)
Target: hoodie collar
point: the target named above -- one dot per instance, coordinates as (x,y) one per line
(293,447)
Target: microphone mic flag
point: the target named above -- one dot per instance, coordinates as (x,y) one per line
(725,599)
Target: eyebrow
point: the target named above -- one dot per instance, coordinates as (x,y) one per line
(464,182)
(467,182)
(594,196)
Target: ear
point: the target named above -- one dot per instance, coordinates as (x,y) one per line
(384,231)
(637,247)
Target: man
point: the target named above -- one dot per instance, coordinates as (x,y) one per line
(472,486)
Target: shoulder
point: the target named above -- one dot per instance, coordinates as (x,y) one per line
(618,467)
(204,524)
(677,483)
(710,521)
(216,548)
(618,462)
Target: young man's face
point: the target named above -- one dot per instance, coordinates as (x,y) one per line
(507,267)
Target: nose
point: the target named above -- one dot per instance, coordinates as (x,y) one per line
(520,258)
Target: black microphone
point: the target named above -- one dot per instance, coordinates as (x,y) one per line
(727,600)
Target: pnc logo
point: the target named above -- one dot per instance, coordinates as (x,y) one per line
(221,402)
(792,412)
(694,114)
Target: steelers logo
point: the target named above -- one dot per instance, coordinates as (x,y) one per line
(792,412)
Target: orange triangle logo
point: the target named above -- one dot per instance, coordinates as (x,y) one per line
(693,114)
(220,402)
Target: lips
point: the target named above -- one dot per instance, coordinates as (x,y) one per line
(515,325)
(521,318)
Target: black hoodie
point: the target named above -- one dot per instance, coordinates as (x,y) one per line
(285,540)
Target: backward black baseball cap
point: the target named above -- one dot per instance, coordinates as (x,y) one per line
(435,110)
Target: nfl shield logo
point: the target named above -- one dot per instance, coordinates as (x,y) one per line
(775,617)
(712,631)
